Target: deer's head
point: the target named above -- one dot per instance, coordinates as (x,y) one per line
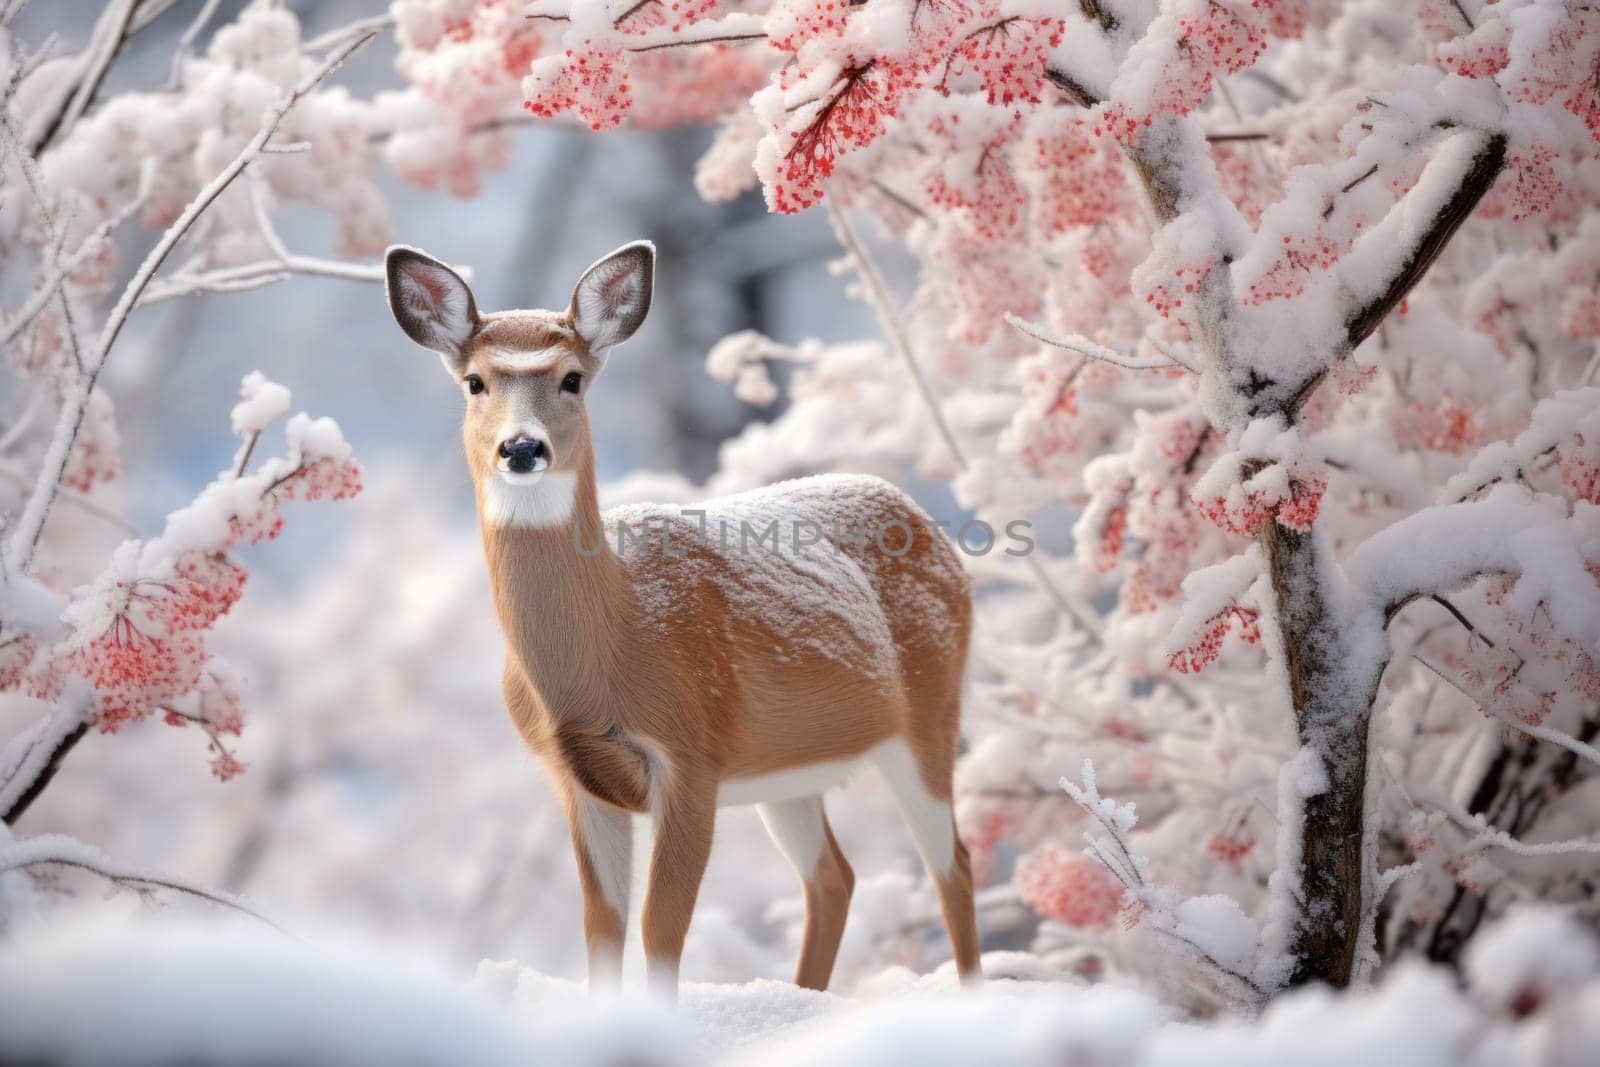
(525,374)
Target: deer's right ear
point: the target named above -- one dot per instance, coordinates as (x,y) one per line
(430,301)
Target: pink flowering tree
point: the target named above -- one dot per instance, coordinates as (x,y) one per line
(1294,305)
(1290,305)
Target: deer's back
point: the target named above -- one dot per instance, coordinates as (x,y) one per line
(807,604)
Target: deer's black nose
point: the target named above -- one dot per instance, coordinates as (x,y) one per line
(521,454)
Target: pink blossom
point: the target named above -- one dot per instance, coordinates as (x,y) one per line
(1072,889)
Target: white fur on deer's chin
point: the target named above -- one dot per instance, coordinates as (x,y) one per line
(539,498)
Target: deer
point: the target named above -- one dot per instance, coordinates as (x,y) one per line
(672,672)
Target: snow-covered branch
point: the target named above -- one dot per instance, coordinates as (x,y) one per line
(255,275)
(1440,548)
(30,760)
(1564,420)
(1386,263)
(74,94)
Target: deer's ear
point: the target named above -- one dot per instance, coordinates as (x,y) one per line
(430,301)
(613,295)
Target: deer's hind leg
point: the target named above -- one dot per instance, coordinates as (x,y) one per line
(800,829)
(931,820)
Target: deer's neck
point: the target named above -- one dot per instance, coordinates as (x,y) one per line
(563,599)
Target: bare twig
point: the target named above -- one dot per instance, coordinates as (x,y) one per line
(244,455)
(185,49)
(61,851)
(1084,347)
(1461,618)
(689,41)
(343,35)
(1543,733)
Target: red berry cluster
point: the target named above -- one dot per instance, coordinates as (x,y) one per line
(1207,646)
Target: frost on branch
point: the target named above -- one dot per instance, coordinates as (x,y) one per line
(1211,930)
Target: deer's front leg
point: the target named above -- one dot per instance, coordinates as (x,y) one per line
(602,841)
(685,818)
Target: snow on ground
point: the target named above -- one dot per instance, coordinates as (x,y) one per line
(159,993)
(749,1020)
(712,1017)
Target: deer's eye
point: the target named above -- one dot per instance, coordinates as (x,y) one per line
(571,382)
(474,384)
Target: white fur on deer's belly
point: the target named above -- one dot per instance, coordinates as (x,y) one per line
(544,501)
(930,819)
(796,782)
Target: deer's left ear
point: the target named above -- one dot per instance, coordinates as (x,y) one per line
(430,302)
(613,296)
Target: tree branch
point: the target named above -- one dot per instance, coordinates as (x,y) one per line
(1084,347)
(43,748)
(1486,165)
(689,41)
(1580,749)
(1509,534)
(1076,91)
(255,275)
(62,851)
(111,33)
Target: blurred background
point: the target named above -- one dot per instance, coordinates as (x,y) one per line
(388,797)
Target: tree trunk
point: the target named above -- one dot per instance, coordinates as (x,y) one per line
(1332,696)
